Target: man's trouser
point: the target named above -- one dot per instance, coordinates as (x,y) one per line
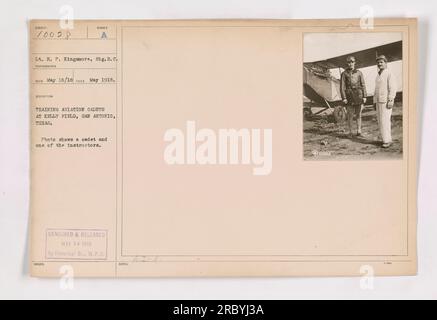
(384,121)
(351,111)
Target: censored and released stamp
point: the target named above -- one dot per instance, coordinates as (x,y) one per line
(76,244)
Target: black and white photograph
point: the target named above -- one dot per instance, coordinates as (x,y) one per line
(172,152)
(352,96)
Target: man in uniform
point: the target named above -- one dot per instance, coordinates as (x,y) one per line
(385,93)
(353,92)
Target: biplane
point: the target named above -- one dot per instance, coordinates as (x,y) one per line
(322,88)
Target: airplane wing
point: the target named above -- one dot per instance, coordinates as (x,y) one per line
(364,58)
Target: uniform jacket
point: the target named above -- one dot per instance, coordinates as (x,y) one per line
(385,87)
(352,86)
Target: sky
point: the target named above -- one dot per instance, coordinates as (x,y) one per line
(320,46)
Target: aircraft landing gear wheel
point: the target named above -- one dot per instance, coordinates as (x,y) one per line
(340,114)
(307,113)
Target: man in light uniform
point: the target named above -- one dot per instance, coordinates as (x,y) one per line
(384,97)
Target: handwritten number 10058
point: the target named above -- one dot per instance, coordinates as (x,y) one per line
(53,35)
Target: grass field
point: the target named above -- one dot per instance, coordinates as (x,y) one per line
(326,140)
